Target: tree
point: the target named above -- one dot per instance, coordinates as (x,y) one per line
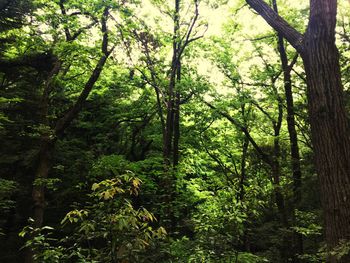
(293,137)
(12,13)
(52,130)
(228,191)
(169,89)
(327,114)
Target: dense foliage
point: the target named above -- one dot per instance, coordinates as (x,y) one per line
(152,131)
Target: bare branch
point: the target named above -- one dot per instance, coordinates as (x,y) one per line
(81,30)
(186,40)
(273,121)
(292,63)
(64,13)
(299,75)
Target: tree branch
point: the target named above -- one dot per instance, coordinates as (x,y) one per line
(262,154)
(71,114)
(278,23)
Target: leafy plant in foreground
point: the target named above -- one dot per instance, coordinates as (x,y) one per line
(108,229)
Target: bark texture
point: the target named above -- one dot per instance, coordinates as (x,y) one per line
(328,118)
(329,121)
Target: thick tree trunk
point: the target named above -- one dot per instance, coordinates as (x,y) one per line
(328,117)
(46,144)
(43,166)
(329,130)
(38,191)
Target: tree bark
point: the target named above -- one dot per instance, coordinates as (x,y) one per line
(38,191)
(328,118)
(170,139)
(329,122)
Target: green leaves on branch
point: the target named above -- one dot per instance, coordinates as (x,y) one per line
(109,216)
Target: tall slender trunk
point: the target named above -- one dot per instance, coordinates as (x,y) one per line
(171,97)
(177,119)
(293,140)
(171,132)
(294,149)
(276,174)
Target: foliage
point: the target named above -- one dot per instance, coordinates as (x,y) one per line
(113,229)
(106,171)
(7,190)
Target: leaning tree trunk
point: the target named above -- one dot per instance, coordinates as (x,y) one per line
(48,138)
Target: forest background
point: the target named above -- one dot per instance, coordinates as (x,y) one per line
(173,131)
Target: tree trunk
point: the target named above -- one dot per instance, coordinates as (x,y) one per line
(177,119)
(38,193)
(276,174)
(280,202)
(170,132)
(328,118)
(170,113)
(294,150)
(329,127)
(293,141)
(49,137)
